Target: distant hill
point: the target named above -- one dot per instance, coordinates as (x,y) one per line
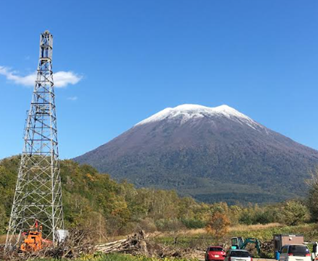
(97,202)
(212,154)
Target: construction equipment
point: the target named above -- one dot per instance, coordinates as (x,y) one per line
(240,243)
(33,239)
(254,241)
(237,242)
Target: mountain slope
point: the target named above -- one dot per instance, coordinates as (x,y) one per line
(211,154)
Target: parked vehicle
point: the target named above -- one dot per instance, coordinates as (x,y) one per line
(239,255)
(294,253)
(215,253)
(281,240)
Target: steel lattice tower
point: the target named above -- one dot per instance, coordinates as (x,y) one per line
(38,193)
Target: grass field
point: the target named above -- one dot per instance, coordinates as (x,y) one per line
(233,229)
(200,239)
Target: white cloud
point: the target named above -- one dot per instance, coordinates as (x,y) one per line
(73,98)
(61,79)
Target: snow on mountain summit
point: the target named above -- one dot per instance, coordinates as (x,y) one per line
(186,112)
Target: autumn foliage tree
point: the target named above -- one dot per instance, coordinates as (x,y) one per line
(218,225)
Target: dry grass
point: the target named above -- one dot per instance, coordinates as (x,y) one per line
(254,227)
(191,232)
(236,228)
(2,239)
(195,231)
(200,231)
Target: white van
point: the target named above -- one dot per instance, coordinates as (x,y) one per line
(294,253)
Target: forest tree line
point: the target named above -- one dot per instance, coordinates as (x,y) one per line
(110,208)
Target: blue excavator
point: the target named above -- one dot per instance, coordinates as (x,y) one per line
(240,243)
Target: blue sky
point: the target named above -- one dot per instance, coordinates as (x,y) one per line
(130,59)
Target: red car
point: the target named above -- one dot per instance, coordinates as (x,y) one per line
(215,253)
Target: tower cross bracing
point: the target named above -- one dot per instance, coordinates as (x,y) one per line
(38,193)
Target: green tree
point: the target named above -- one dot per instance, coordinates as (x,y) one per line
(295,212)
(3,220)
(312,198)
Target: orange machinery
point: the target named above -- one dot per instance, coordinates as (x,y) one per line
(33,239)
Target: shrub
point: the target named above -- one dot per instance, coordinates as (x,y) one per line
(193,223)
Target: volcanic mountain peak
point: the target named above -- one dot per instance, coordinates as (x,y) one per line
(191,111)
(212,154)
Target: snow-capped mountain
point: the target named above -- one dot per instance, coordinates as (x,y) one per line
(211,154)
(186,112)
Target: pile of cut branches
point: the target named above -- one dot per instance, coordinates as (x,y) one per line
(80,242)
(139,244)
